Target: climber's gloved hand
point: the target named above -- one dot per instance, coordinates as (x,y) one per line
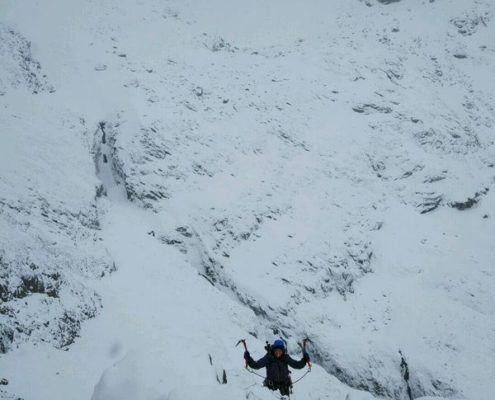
(306,357)
(247,356)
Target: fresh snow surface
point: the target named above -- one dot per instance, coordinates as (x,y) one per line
(178,175)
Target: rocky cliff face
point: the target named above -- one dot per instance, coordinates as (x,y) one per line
(49,217)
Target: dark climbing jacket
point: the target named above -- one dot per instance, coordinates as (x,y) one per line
(277,369)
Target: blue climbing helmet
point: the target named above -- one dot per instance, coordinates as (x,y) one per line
(278,344)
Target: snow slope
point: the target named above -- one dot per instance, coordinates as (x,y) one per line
(246,169)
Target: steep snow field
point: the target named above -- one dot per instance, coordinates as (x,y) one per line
(177,175)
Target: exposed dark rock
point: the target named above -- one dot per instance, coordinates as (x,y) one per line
(433,179)
(43,283)
(201,170)
(442,388)
(378,225)
(4,292)
(220,44)
(103,132)
(409,173)
(430,203)
(377,166)
(468,25)
(152,195)
(463,205)
(184,231)
(404,367)
(198,91)
(100,191)
(371,108)
(30,284)
(27,70)
(69,327)
(393,75)
(462,141)
(208,279)
(6,338)
(171,242)
(470,202)
(152,145)
(361,254)
(286,137)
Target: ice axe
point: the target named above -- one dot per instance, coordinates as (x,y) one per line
(243,341)
(303,347)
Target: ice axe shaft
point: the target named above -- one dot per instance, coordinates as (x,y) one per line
(304,342)
(243,341)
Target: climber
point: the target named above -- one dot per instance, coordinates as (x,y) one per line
(277,363)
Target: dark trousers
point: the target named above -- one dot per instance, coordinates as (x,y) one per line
(284,387)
